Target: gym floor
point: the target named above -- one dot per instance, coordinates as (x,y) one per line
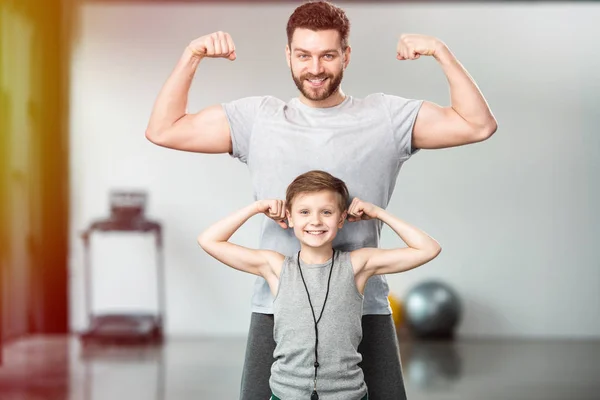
(56,368)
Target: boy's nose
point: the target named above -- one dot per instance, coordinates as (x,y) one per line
(316,221)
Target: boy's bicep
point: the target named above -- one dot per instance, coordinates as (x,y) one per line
(391,261)
(239,257)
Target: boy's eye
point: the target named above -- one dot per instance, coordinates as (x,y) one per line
(327,212)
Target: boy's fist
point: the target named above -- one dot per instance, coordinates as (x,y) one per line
(361,210)
(274,209)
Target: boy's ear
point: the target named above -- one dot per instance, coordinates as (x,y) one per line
(289,218)
(343,219)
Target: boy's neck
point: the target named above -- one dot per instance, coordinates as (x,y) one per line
(315,255)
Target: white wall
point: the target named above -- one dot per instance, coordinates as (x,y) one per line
(516,215)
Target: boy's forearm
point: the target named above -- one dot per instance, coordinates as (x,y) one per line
(171,103)
(222,230)
(411,235)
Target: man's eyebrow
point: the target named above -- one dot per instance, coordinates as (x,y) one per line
(323,52)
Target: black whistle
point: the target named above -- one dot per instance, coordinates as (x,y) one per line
(314,395)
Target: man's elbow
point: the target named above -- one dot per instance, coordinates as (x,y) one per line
(152,135)
(486,130)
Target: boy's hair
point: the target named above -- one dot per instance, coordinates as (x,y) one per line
(316,181)
(319,16)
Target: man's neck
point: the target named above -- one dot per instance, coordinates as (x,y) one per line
(335,99)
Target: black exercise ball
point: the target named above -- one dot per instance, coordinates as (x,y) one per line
(433,310)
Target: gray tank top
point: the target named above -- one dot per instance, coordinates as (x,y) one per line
(339,376)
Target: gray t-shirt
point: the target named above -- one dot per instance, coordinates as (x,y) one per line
(339,375)
(364,142)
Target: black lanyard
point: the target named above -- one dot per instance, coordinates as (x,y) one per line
(315,395)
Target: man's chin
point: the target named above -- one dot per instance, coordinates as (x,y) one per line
(316,95)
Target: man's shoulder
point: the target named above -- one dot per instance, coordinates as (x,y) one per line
(260,100)
(381,97)
(254,105)
(371,100)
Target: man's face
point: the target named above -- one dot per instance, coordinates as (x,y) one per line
(317,62)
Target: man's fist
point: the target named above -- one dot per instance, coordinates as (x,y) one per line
(413,46)
(215,45)
(361,210)
(274,209)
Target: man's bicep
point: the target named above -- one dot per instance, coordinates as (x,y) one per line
(204,132)
(213,134)
(438,127)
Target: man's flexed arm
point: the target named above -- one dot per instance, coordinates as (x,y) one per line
(468,119)
(170,126)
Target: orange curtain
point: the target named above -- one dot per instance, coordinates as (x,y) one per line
(36,38)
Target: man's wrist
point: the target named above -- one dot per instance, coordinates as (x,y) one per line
(191,55)
(442,53)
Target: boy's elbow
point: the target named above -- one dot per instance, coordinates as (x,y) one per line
(202,241)
(436,249)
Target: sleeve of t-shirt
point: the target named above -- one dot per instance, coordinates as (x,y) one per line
(403,114)
(241,115)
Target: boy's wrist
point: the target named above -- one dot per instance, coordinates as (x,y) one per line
(379,212)
(255,207)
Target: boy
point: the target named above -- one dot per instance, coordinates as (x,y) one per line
(319,292)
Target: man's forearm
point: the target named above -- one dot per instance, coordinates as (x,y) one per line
(171,103)
(467,100)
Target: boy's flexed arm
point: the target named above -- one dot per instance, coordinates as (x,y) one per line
(372,261)
(214,240)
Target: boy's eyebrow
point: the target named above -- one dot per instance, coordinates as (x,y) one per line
(323,52)
(307,206)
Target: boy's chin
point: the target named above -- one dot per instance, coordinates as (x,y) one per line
(316,244)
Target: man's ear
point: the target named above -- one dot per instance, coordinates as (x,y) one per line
(289,218)
(347,53)
(288,55)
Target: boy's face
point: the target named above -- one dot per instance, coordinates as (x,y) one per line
(316,217)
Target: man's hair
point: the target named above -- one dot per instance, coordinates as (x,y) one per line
(319,16)
(316,181)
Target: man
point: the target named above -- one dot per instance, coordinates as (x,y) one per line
(362,141)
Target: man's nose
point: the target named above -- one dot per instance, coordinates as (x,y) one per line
(316,66)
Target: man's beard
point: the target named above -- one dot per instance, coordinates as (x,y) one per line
(316,94)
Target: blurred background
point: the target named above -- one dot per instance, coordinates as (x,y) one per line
(96,220)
